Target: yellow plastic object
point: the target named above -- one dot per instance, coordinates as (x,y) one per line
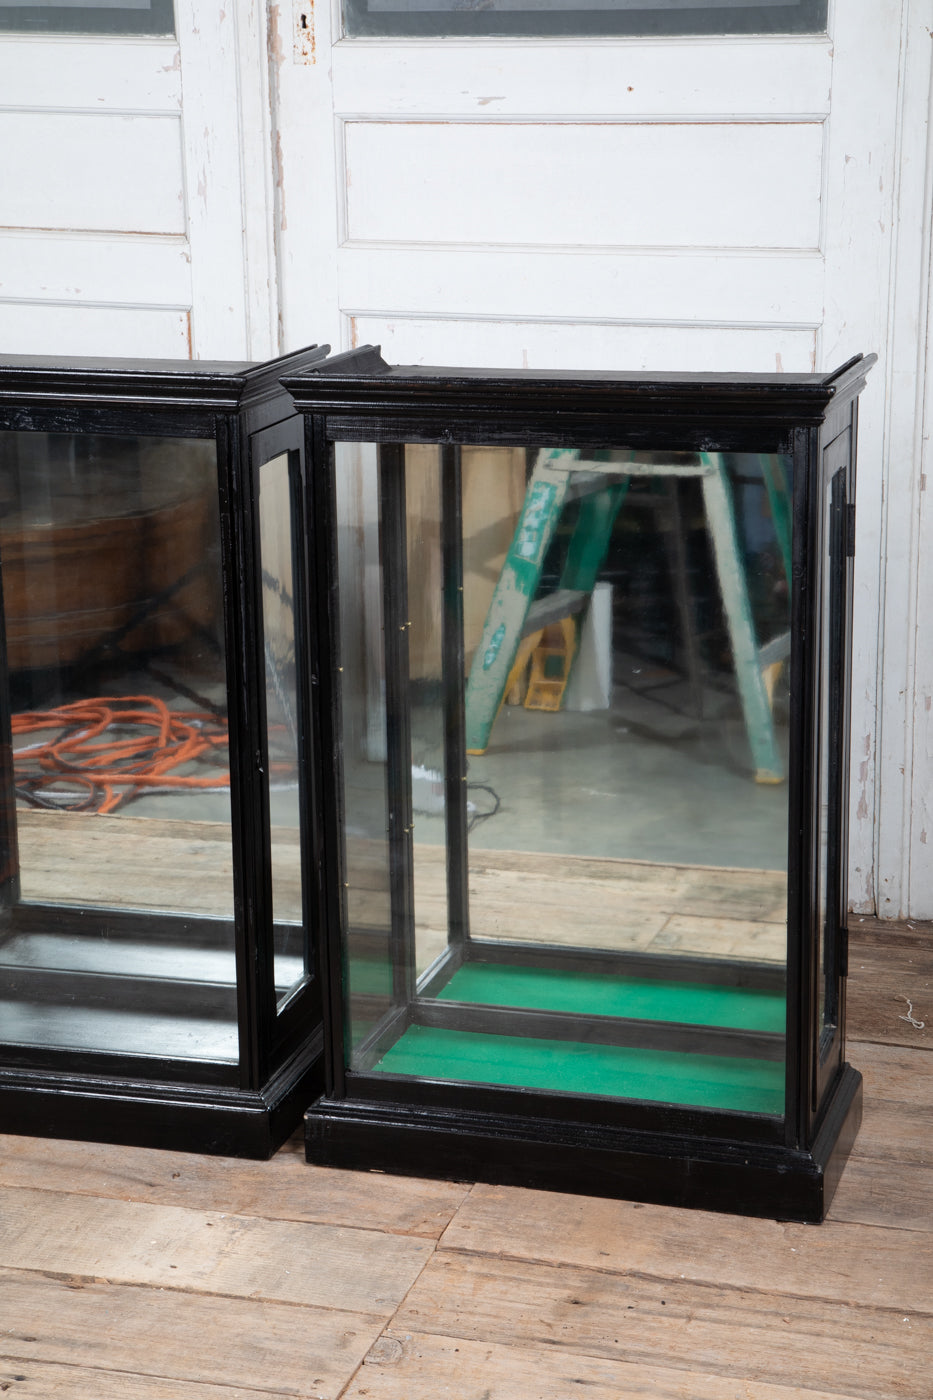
(551,661)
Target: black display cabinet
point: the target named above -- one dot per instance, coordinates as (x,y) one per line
(158,977)
(582,646)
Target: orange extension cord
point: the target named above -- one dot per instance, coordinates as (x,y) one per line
(116,748)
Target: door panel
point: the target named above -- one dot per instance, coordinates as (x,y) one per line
(361,263)
(557,184)
(128,229)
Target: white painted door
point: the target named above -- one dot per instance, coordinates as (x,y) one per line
(125,224)
(618,203)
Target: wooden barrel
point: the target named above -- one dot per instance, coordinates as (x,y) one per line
(126,556)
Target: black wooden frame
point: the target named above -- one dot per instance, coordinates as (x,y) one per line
(753,1163)
(247,1107)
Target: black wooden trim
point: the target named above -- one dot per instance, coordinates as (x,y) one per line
(135,386)
(645,431)
(459,395)
(435,978)
(452,647)
(722,972)
(80,418)
(799,779)
(838,756)
(93,923)
(249,809)
(396,625)
(664,1167)
(301,1008)
(597,1030)
(142,1112)
(264,402)
(9,844)
(285,1024)
(109,1065)
(83,990)
(393,1023)
(330,823)
(556,1106)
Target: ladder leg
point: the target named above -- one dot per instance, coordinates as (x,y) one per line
(677,565)
(759,723)
(518,583)
(592,534)
(779,501)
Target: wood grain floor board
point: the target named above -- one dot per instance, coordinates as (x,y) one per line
(899,1073)
(285,1189)
(419,1366)
(838,1262)
(212,1252)
(31,1380)
(151,1275)
(753,1334)
(890,978)
(181,1337)
(896,1195)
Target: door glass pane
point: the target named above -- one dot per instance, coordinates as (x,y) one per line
(615,877)
(278,625)
(635,17)
(118,921)
(88,16)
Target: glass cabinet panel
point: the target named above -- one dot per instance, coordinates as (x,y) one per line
(117,785)
(830,906)
(277,565)
(563,678)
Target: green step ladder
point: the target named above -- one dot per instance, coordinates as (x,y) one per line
(600,482)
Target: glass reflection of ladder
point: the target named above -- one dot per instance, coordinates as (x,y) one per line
(516,621)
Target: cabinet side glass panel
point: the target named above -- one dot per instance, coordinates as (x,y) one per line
(830,904)
(118,903)
(429,797)
(367,951)
(623,619)
(276,526)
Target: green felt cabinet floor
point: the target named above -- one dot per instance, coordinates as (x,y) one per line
(660,1076)
(656,999)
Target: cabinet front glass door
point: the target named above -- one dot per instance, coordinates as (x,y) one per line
(117,881)
(564,680)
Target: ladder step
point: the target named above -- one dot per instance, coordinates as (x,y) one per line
(563,602)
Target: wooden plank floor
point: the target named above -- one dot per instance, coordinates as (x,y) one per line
(121,861)
(151,1275)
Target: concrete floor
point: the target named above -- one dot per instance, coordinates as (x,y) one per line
(639,781)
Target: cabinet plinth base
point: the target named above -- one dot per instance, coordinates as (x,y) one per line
(216,1120)
(735,1177)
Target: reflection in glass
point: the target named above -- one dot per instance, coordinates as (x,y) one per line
(623,619)
(830,905)
(119,785)
(278,628)
(368,964)
(426,678)
(584,17)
